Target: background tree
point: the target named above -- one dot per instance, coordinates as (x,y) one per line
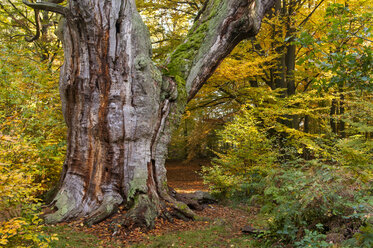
(256,65)
(320,172)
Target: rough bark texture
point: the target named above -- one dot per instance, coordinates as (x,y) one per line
(120,108)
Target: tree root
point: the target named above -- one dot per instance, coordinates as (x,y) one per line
(143,213)
(108,207)
(67,208)
(183,211)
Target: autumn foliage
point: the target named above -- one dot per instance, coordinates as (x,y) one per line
(287,120)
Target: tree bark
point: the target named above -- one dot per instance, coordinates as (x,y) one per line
(120,108)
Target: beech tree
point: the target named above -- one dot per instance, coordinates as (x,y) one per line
(120,107)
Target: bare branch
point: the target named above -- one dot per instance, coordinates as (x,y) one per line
(37,20)
(313,11)
(201,11)
(20,12)
(20,23)
(363,38)
(52,7)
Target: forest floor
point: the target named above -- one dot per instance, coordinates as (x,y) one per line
(219,226)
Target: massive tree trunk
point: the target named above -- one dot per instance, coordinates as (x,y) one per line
(120,108)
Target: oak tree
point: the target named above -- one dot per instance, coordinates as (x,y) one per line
(120,107)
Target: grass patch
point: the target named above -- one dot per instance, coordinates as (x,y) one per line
(68,237)
(215,236)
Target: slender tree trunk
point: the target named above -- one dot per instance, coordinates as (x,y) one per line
(333,113)
(342,124)
(120,108)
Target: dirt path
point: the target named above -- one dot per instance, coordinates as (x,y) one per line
(185,177)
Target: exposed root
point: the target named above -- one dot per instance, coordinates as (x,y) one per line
(183,211)
(108,207)
(65,207)
(143,212)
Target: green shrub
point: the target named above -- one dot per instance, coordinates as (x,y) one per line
(313,239)
(299,198)
(246,161)
(333,190)
(20,225)
(364,238)
(31,144)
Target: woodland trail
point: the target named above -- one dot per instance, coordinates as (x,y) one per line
(183,178)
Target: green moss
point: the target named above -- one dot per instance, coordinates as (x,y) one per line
(156,74)
(165,185)
(182,93)
(142,62)
(182,58)
(182,206)
(64,204)
(201,218)
(199,39)
(136,185)
(71,237)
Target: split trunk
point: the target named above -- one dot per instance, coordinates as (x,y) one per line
(120,107)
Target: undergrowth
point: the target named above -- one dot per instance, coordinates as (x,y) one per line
(318,202)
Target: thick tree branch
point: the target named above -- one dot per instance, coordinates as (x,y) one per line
(221,26)
(47,6)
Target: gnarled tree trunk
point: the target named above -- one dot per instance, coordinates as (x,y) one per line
(120,108)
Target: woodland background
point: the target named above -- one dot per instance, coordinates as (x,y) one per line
(286,120)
